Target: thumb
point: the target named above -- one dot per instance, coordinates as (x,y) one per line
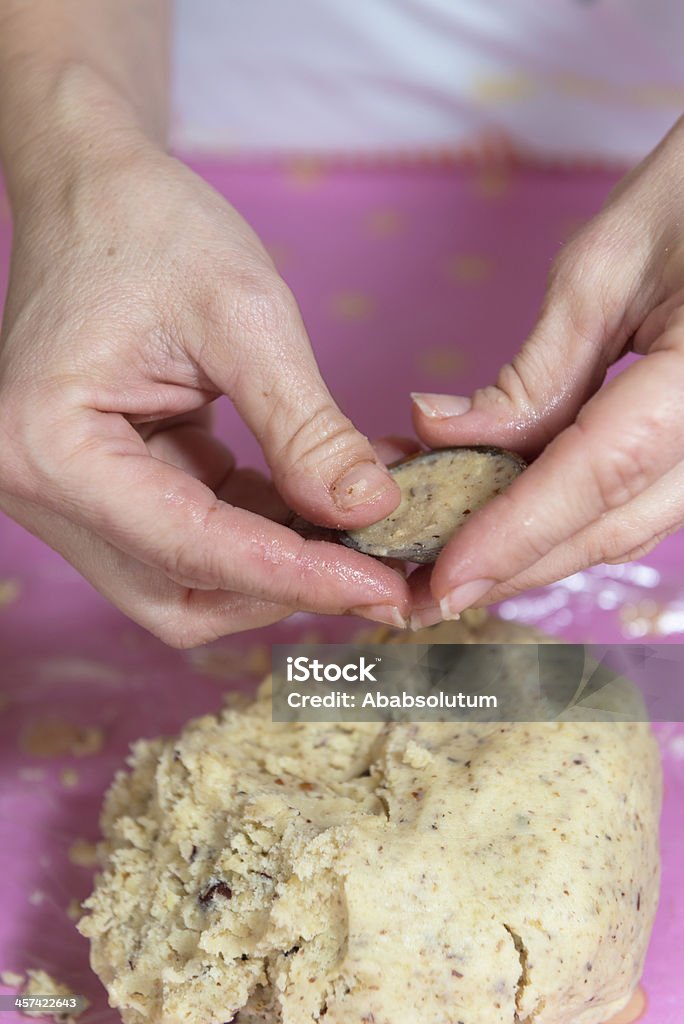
(322,466)
(539,393)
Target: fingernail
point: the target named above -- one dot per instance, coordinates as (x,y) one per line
(388,614)
(441,407)
(360,484)
(425,617)
(463,597)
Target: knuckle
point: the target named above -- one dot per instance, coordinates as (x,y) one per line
(181,564)
(319,442)
(195,559)
(521,386)
(592,284)
(592,549)
(261,304)
(297,586)
(512,386)
(619,473)
(189,564)
(637,552)
(584,260)
(619,479)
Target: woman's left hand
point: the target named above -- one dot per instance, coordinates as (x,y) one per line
(607,480)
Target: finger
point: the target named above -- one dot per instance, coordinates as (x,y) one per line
(425,611)
(392,448)
(625,439)
(663,323)
(249,489)
(321,465)
(173,522)
(177,615)
(194,450)
(563,362)
(623,535)
(200,416)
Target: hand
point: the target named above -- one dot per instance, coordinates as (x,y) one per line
(607,482)
(137,296)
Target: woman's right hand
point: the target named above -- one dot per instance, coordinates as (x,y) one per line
(137,296)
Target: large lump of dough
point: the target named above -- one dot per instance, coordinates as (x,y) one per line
(379,874)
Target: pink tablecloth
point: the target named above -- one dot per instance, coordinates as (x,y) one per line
(408,279)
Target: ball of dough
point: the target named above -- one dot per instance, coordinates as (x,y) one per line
(386,874)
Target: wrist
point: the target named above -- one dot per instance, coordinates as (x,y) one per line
(70,124)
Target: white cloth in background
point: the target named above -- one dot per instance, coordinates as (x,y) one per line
(565,78)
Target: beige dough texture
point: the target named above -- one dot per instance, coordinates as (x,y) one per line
(374,873)
(439,490)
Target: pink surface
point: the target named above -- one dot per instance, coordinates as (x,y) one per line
(408,279)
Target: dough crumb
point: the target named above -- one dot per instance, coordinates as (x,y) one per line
(12,979)
(40,983)
(417,756)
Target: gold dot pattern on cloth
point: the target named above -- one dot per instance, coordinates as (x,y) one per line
(54,737)
(469,268)
(226,662)
(352,306)
(69,778)
(492,182)
(650,94)
(633,1012)
(83,853)
(74,910)
(504,88)
(312,636)
(385,223)
(305,172)
(9,592)
(443,361)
